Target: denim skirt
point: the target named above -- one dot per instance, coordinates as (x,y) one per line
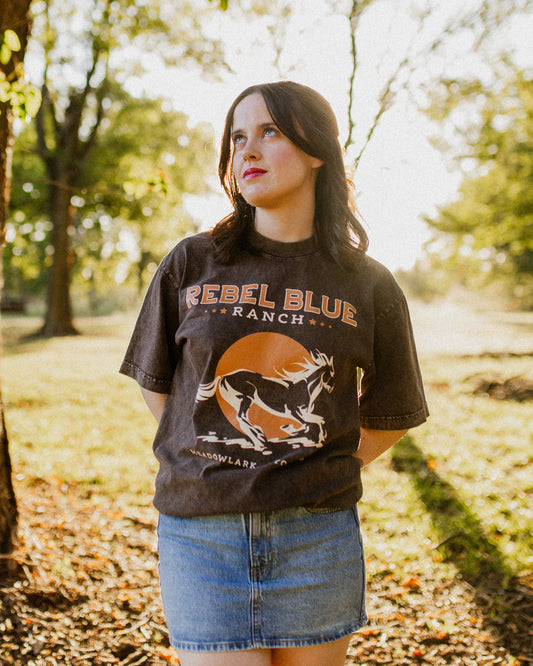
(285,578)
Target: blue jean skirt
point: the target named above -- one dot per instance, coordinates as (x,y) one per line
(285,578)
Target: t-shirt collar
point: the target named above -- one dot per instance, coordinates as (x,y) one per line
(280,248)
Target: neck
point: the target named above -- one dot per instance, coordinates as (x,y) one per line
(287,226)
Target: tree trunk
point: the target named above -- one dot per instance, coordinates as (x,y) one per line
(14,15)
(144,260)
(8,502)
(58,320)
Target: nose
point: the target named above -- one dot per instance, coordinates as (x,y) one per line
(251,150)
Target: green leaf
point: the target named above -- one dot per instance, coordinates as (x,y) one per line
(5,89)
(5,54)
(33,101)
(223,4)
(129,187)
(12,40)
(135,189)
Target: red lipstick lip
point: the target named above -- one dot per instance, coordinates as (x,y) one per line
(252,173)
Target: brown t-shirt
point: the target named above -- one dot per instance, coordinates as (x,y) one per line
(260,362)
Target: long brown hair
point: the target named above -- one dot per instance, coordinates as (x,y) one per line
(307,119)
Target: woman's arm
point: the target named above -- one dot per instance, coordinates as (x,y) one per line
(375,442)
(155,402)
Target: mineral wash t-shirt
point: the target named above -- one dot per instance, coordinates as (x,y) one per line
(260,362)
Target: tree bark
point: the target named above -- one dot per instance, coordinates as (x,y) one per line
(58,319)
(8,502)
(14,15)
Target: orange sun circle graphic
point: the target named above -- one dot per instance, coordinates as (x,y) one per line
(267,354)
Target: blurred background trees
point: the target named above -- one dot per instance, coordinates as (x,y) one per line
(485,236)
(102,177)
(85,52)
(126,214)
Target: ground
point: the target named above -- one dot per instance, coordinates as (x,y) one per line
(94,600)
(83,584)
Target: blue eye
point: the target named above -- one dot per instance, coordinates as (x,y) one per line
(269,131)
(238,138)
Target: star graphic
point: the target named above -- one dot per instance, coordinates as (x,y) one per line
(223,310)
(312,322)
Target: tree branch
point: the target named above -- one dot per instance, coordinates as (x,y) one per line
(354,19)
(44,152)
(86,147)
(70,139)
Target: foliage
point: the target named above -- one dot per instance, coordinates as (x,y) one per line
(425,280)
(223,4)
(9,43)
(488,230)
(88,52)
(129,211)
(23,98)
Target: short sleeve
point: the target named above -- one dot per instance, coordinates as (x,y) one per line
(152,354)
(392,393)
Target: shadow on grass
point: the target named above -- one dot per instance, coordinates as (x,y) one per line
(505,602)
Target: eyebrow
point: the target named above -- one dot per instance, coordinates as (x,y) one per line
(261,126)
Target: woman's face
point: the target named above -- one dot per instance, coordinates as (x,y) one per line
(271,172)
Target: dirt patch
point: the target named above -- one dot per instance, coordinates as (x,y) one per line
(519,389)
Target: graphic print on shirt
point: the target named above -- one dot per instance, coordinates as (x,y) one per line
(267,385)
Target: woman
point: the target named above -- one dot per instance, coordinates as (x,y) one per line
(247,350)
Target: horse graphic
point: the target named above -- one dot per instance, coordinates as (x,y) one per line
(291,394)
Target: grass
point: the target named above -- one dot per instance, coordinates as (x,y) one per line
(71,416)
(459,488)
(453,496)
